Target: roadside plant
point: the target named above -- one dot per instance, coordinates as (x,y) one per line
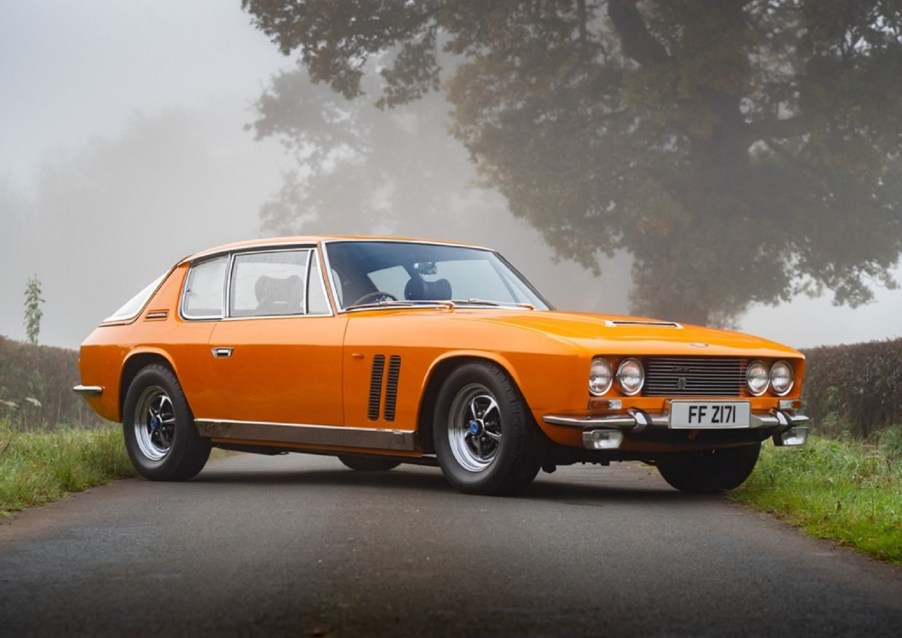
(33,312)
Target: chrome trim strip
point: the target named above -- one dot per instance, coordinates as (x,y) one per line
(88,390)
(614,323)
(157,314)
(329,435)
(627,421)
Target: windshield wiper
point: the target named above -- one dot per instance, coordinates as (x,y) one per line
(399,303)
(445,303)
(492,304)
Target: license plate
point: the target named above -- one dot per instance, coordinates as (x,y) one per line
(712,415)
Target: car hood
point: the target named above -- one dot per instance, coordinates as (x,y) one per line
(618,334)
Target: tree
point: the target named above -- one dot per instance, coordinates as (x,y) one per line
(337,142)
(33,312)
(740,150)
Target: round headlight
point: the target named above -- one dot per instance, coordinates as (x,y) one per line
(600,376)
(631,376)
(756,378)
(781,378)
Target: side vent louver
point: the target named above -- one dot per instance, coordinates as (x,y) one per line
(391,387)
(376,386)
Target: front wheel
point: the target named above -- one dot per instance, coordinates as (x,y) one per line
(485,439)
(710,471)
(160,436)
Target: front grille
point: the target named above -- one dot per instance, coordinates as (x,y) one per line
(694,376)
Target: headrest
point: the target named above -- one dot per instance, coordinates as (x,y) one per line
(418,289)
(278,296)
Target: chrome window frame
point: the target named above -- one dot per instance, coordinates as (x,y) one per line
(184,291)
(313,251)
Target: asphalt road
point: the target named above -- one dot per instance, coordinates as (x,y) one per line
(300,546)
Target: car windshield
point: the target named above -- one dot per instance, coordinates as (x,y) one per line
(368,273)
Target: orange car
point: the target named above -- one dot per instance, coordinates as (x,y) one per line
(383,351)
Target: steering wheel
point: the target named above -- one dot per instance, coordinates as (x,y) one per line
(375,297)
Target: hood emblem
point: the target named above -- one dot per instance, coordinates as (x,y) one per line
(699,345)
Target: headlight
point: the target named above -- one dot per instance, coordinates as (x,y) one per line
(631,376)
(781,378)
(756,378)
(600,376)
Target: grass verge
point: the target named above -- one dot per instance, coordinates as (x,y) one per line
(844,491)
(38,467)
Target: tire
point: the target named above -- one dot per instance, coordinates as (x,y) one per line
(711,471)
(485,439)
(160,436)
(368,463)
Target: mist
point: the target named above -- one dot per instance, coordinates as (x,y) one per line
(127,143)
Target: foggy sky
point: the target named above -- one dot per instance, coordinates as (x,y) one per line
(122,149)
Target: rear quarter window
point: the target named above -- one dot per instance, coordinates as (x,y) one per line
(205,289)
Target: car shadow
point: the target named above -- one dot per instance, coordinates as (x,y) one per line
(592,487)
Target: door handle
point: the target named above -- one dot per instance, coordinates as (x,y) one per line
(222,353)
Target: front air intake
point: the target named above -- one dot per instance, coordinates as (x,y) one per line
(694,376)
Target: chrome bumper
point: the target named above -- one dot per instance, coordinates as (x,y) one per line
(606,432)
(88,390)
(637,419)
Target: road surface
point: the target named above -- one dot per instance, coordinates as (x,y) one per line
(300,546)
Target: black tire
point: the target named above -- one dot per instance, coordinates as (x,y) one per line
(710,471)
(160,436)
(368,463)
(485,439)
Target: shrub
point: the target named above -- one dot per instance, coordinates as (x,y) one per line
(36,386)
(856,389)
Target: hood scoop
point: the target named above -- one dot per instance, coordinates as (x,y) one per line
(638,322)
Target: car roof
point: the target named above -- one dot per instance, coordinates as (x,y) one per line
(294,240)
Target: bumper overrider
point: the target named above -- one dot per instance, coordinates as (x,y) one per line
(606,432)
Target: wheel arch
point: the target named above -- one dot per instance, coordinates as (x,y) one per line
(437,376)
(136,362)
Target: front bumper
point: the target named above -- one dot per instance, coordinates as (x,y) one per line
(600,432)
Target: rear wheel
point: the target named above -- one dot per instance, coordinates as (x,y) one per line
(368,463)
(485,439)
(710,471)
(160,436)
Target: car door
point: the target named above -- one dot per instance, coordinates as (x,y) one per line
(276,357)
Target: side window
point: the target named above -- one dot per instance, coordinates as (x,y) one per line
(317,302)
(205,290)
(277,283)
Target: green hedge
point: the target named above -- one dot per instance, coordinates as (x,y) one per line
(854,389)
(36,386)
